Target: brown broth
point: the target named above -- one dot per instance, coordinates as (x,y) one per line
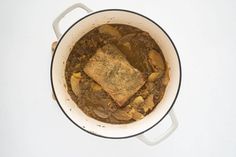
(137,47)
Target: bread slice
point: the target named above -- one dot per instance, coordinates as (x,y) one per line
(109,68)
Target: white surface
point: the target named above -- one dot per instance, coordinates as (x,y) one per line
(31,123)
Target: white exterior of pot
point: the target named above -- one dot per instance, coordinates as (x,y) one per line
(64,47)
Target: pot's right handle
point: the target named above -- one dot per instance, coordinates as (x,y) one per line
(69,9)
(169,131)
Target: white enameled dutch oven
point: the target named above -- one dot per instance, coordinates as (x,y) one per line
(70,109)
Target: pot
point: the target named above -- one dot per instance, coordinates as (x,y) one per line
(70,109)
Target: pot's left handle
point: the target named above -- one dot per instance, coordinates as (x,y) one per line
(60,17)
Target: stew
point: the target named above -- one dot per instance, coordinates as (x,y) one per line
(116,73)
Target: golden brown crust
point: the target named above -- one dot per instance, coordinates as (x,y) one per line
(109,68)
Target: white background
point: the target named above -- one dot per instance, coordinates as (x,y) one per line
(32,125)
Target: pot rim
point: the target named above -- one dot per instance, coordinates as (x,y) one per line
(124,137)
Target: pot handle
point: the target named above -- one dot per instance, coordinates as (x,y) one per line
(159,139)
(60,17)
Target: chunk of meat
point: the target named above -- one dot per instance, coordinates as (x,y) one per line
(109,68)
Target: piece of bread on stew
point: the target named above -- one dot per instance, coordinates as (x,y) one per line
(109,68)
